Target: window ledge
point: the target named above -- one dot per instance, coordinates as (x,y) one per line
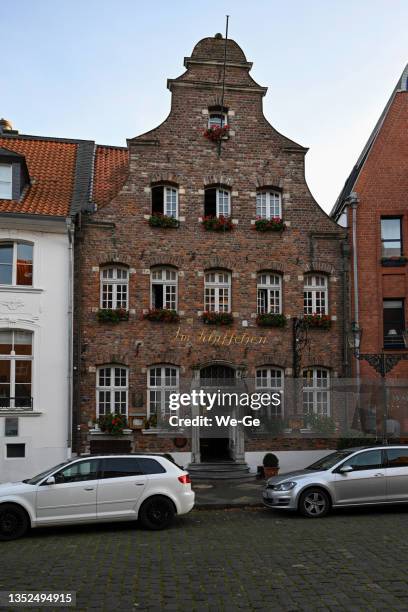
(156,430)
(4,412)
(19,289)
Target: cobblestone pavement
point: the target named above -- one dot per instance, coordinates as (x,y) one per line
(215,560)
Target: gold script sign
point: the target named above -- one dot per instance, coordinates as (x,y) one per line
(216,338)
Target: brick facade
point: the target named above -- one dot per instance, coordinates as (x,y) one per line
(254,156)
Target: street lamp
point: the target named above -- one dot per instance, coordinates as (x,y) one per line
(381,362)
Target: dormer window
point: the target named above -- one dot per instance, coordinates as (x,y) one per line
(6,182)
(165,200)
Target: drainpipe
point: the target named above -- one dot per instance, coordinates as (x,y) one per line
(70,231)
(353,203)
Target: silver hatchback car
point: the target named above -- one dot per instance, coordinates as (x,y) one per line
(350,477)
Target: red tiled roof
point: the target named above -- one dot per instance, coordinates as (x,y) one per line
(51,166)
(110,172)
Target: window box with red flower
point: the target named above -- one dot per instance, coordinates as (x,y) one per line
(217,318)
(113,424)
(271,320)
(162,315)
(216,133)
(161,220)
(275,224)
(317,321)
(217,224)
(112,315)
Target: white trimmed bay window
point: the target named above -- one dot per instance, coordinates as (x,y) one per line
(165,200)
(217,291)
(268,205)
(162,381)
(269,293)
(164,288)
(271,380)
(315,295)
(112,390)
(114,287)
(316,391)
(16,357)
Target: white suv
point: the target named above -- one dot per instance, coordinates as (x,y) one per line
(97,488)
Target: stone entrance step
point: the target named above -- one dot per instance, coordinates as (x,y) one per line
(220,470)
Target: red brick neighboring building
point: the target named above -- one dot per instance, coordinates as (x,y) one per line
(126,263)
(375,199)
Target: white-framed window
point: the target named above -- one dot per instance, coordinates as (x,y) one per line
(316,391)
(162,381)
(217,119)
(269,293)
(16,263)
(6,182)
(271,380)
(114,287)
(315,295)
(163,288)
(112,389)
(165,200)
(217,291)
(217,202)
(16,359)
(268,204)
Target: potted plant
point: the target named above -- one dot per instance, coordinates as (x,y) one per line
(216,132)
(317,321)
(319,423)
(275,224)
(217,318)
(161,220)
(217,224)
(271,320)
(112,315)
(163,315)
(270,465)
(113,424)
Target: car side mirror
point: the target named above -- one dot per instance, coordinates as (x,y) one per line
(346,469)
(50,480)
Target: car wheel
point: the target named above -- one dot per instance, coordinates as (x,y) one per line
(314,503)
(157,513)
(13,522)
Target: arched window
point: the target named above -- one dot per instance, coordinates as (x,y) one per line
(16,263)
(165,200)
(268,204)
(271,380)
(269,293)
(112,389)
(163,288)
(16,357)
(114,287)
(217,202)
(316,391)
(217,291)
(315,295)
(162,381)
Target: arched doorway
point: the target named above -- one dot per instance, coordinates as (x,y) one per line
(219,446)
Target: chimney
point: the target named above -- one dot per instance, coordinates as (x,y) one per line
(6,127)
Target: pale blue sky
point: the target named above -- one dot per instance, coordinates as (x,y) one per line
(97,69)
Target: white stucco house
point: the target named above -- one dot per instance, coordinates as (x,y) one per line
(44,184)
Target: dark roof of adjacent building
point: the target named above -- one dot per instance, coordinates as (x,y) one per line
(59,172)
(401,86)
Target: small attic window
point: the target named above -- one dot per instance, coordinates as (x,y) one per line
(217,116)
(6,182)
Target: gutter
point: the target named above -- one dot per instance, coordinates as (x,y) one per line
(353,201)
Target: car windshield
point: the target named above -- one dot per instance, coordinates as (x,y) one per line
(330,460)
(36,479)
